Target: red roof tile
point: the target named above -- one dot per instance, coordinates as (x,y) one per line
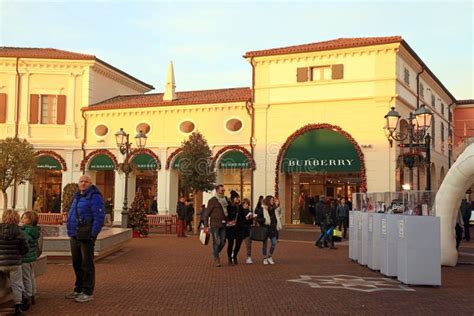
(327,45)
(52,53)
(183,98)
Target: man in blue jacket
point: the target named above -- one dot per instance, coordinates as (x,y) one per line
(86,213)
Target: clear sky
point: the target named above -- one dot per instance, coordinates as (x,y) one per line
(206,40)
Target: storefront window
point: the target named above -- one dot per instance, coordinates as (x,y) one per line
(46,189)
(238,180)
(105,181)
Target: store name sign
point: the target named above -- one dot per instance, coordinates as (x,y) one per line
(320,162)
(46,166)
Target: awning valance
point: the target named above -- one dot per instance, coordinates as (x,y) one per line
(101,162)
(144,161)
(234,159)
(48,162)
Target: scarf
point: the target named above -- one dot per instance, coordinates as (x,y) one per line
(221,198)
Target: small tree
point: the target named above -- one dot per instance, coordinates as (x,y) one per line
(196,168)
(68,195)
(137,219)
(17,164)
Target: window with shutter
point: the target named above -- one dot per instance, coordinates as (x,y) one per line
(337,71)
(302,74)
(3,107)
(61,116)
(34,98)
(406,76)
(320,73)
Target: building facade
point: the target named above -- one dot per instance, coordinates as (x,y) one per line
(311,125)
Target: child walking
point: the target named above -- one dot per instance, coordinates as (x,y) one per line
(32,233)
(13,246)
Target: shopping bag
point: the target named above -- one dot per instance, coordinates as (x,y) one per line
(204,237)
(337,233)
(258,233)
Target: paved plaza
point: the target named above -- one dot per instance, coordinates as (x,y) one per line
(165,275)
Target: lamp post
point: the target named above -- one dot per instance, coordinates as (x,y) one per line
(125,148)
(418,124)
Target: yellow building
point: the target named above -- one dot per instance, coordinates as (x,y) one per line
(311,124)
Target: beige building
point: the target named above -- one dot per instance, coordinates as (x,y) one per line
(311,125)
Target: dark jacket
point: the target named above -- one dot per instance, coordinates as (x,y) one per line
(342,211)
(244,223)
(108,207)
(232,213)
(181,211)
(328,215)
(56,205)
(154,207)
(90,207)
(272,225)
(215,213)
(13,245)
(189,212)
(465,209)
(318,209)
(32,234)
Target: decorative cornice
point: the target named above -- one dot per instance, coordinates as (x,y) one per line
(241,149)
(311,127)
(171,157)
(53,154)
(144,151)
(108,73)
(98,152)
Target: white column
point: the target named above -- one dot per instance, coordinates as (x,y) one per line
(23,131)
(173,191)
(23,192)
(261,173)
(119,186)
(163,184)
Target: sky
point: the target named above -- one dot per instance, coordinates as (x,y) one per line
(206,40)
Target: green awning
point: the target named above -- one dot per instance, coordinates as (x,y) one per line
(321,150)
(234,159)
(176,162)
(101,162)
(145,162)
(48,162)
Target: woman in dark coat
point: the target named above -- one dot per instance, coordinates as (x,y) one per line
(232,233)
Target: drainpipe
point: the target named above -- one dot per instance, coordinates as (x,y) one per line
(418,86)
(84,139)
(450,135)
(17,118)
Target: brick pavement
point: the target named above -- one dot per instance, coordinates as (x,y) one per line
(164,275)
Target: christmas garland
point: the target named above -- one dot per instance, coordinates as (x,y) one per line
(99,152)
(309,128)
(241,149)
(147,151)
(171,157)
(53,154)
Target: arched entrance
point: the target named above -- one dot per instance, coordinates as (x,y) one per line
(47,184)
(318,160)
(101,166)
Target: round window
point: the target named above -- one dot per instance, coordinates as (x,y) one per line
(144,127)
(234,125)
(187,127)
(101,130)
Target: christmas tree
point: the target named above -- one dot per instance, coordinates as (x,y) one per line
(137,219)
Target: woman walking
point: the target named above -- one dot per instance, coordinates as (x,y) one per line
(244,221)
(231,228)
(267,217)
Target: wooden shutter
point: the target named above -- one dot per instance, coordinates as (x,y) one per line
(3,107)
(302,74)
(34,98)
(61,115)
(337,71)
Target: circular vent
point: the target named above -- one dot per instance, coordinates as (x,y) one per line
(187,127)
(144,127)
(101,130)
(234,125)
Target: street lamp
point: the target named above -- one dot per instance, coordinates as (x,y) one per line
(125,147)
(417,126)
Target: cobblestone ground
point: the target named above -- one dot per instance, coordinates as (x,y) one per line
(164,275)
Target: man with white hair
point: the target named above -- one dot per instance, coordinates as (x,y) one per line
(84,223)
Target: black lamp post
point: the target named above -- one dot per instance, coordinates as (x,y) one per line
(125,147)
(418,124)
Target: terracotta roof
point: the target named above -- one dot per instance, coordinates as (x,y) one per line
(327,45)
(52,53)
(183,98)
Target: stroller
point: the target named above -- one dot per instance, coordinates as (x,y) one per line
(323,238)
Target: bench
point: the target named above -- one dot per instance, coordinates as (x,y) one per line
(52,218)
(166,221)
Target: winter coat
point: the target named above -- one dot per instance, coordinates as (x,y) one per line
(189,212)
(268,217)
(232,214)
(465,209)
(342,211)
(32,234)
(215,213)
(328,215)
(181,211)
(319,208)
(244,221)
(13,245)
(90,207)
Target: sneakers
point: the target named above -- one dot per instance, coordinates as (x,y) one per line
(84,298)
(72,295)
(270,260)
(265,261)
(249,260)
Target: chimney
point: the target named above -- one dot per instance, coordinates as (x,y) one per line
(170,93)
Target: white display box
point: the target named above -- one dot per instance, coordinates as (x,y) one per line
(389,244)
(364,236)
(352,236)
(375,223)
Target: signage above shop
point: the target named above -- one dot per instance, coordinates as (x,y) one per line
(234,159)
(176,162)
(101,162)
(145,162)
(321,150)
(48,162)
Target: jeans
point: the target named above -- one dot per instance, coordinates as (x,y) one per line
(16,281)
(325,238)
(29,283)
(218,240)
(248,246)
(343,224)
(273,241)
(83,263)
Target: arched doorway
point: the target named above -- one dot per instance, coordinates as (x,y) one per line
(47,184)
(101,166)
(319,160)
(146,165)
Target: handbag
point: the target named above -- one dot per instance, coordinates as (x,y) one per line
(337,233)
(204,237)
(258,233)
(83,229)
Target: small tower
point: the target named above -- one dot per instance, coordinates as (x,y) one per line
(170,93)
